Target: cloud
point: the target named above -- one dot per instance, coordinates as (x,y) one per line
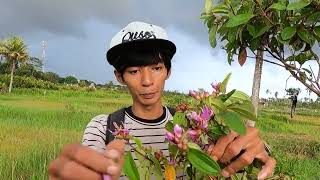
(68,17)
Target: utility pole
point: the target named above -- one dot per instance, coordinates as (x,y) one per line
(43,55)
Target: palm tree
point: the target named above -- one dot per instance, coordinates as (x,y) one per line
(14,50)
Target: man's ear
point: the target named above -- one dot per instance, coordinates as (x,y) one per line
(168,74)
(119,77)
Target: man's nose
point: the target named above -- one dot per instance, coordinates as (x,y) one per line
(146,79)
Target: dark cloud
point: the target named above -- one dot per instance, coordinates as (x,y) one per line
(67,17)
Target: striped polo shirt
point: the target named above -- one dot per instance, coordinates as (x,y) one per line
(150,132)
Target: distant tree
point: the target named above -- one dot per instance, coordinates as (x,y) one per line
(5,68)
(70,80)
(292,91)
(36,63)
(268,91)
(51,77)
(276,94)
(14,50)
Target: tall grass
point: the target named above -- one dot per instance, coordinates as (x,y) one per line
(36,123)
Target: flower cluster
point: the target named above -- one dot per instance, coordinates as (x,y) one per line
(177,137)
(121,133)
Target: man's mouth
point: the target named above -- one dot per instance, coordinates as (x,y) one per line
(148,95)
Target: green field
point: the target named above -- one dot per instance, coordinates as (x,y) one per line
(36,123)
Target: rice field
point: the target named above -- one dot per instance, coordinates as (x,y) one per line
(35,124)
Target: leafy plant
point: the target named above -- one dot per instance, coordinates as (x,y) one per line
(194,127)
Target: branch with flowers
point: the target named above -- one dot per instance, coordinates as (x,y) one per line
(195,126)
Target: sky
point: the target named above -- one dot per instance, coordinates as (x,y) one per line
(78,32)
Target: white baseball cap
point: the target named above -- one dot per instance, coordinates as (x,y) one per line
(139,35)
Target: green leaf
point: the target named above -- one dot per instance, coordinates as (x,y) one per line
(202,162)
(217,104)
(261,29)
(296,5)
(221,8)
(317,31)
(240,96)
(255,44)
(313,18)
(216,130)
(231,36)
(233,121)
(179,118)
(244,109)
(239,19)
(193,145)
(288,32)
(230,58)
(306,36)
(138,142)
(251,30)
(156,164)
(278,6)
(204,139)
(169,126)
(130,167)
(207,6)
(225,97)
(223,85)
(301,58)
(212,35)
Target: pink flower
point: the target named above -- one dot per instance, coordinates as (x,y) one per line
(169,136)
(206,113)
(216,87)
(206,94)
(177,131)
(194,134)
(121,132)
(195,116)
(194,94)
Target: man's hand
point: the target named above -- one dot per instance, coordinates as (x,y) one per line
(81,162)
(229,146)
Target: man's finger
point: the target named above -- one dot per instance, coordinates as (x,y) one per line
(244,160)
(218,149)
(268,168)
(88,157)
(116,146)
(240,143)
(64,168)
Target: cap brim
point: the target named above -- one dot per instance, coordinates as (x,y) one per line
(158,44)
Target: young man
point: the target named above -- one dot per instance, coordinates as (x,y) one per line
(141,55)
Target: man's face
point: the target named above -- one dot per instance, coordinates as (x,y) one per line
(145,83)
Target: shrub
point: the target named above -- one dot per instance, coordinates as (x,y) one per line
(27,82)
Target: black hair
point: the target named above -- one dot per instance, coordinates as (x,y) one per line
(142,57)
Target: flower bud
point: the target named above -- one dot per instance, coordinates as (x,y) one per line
(177,131)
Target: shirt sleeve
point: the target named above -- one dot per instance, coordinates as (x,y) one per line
(95,133)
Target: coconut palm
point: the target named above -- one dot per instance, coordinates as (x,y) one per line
(15,51)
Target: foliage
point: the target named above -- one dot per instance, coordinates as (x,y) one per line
(15,51)
(28,82)
(194,127)
(51,77)
(70,80)
(288,30)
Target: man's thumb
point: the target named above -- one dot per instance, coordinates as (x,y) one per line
(117,144)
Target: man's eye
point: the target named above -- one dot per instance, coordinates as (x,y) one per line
(133,72)
(157,68)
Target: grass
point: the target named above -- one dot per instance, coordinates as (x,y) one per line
(35,124)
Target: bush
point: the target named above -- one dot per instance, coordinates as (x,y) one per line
(27,82)
(3,87)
